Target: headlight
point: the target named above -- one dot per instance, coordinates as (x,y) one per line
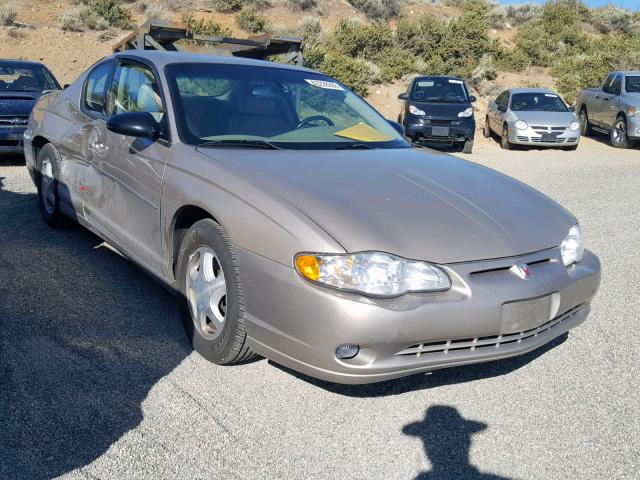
(416,110)
(372,273)
(572,248)
(574,126)
(521,125)
(634,111)
(466,113)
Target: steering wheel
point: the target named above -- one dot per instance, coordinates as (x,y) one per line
(306,123)
(453,95)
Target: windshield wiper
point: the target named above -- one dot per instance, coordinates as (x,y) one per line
(261,144)
(354,146)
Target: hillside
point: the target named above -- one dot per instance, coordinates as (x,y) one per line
(375,49)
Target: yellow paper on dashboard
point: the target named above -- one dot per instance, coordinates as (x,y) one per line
(364,133)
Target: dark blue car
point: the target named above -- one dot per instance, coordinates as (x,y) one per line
(438,110)
(22,83)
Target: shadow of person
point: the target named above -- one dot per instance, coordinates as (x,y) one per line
(446,437)
(84,336)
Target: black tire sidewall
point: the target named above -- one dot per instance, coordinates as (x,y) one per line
(504,138)
(486,131)
(222,349)
(585,127)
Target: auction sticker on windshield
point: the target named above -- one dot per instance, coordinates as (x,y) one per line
(324,84)
(459,82)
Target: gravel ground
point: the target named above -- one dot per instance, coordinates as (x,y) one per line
(98,381)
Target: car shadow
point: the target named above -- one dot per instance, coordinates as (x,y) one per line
(9,160)
(446,438)
(437,378)
(84,336)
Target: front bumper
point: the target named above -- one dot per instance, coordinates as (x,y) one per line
(12,140)
(535,137)
(300,325)
(633,128)
(447,131)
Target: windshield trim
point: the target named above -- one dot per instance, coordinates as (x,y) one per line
(186,135)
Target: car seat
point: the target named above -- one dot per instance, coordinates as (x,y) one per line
(258,116)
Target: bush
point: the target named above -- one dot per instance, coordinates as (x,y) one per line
(610,19)
(303,5)
(310,30)
(422,37)
(377,9)
(152,9)
(8,14)
(503,16)
(251,21)
(227,6)
(178,5)
(78,19)
(357,39)
(350,71)
(394,63)
(111,10)
(206,27)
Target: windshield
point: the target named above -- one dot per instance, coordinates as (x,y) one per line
(537,102)
(26,79)
(632,84)
(438,89)
(243,105)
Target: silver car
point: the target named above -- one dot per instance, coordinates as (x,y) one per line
(532,116)
(295,222)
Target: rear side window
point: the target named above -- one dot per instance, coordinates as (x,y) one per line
(94,96)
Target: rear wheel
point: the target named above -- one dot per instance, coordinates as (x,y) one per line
(504,139)
(585,124)
(47,175)
(486,131)
(468,146)
(211,300)
(619,134)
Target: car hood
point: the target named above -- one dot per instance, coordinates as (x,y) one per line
(18,104)
(409,202)
(551,119)
(441,110)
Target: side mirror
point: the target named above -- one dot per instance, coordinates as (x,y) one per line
(403,96)
(502,108)
(135,124)
(398,127)
(66,85)
(472,99)
(572,108)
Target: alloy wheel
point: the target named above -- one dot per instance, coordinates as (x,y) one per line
(619,133)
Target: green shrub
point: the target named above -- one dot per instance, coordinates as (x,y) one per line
(206,27)
(610,19)
(358,39)
(177,5)
(227,6)
(310,30)
(8,14)
(301,5)
(394,63)
(422,37)
(350,71)
(251,21)
(377,9)
(111,10)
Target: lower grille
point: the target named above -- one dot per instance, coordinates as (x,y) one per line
(523,139)
(552,140)
(443,347)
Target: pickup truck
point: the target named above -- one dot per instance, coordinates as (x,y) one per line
(613,108)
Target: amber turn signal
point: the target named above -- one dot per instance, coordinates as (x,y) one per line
(307,266)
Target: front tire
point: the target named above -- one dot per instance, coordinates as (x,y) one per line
(486,130)
(585,125)
(468,146)
(619,134)
(211,300)
(505,144)
(47,176)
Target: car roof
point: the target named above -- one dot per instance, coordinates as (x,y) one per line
(531,90)
(161,59)
(445,77)
(625,72)
(19,63)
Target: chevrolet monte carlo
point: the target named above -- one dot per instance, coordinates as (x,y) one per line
(295,222)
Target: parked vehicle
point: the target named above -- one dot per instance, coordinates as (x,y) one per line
(439,110)
(532,116)
(297,223)
(21,84)
(613,108)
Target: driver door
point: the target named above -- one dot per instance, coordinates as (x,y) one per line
(134,167)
